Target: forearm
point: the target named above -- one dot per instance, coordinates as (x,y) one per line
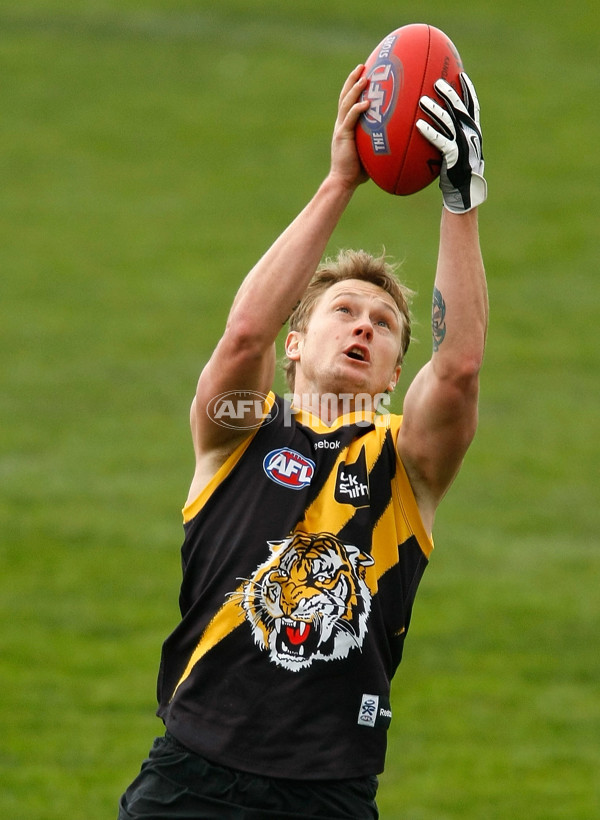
(273,287)
(460,303)
(276,284)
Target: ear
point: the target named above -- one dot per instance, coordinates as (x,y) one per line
(394,379)
(293,343)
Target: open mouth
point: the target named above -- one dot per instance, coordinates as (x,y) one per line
(296,638)
(357,353)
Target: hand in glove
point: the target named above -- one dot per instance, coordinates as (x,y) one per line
(457,136)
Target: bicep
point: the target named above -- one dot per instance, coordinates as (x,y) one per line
(439,422)
(227,404)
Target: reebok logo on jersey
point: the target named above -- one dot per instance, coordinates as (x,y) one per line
(325,444)
(289,468)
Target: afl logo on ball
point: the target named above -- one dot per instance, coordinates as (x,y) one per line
(289,468)
(385,79)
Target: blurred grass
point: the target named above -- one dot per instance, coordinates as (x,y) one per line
(151,151)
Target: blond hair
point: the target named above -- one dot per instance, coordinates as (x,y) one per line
(351,264)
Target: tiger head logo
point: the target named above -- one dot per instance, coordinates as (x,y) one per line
(309,600)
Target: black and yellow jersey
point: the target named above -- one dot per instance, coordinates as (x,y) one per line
(301,561)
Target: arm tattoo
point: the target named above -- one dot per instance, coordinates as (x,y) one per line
(438,319)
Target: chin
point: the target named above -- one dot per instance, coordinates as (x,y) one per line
(353,387)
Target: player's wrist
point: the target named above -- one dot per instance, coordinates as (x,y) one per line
(341,183)
(466,198)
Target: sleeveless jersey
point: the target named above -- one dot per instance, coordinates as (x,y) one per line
(301,561)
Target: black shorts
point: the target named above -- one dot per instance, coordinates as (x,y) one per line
(176,783)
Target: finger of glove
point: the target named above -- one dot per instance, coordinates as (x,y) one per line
(452,99)
(440,116)
(464,122)
(470,96)
(439,141)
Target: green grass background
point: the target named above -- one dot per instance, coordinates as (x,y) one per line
(150,151)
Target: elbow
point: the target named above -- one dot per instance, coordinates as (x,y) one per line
(243,339)
(461,371)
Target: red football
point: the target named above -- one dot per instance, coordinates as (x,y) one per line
(403,68)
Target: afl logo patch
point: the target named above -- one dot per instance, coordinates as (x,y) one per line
(289,468)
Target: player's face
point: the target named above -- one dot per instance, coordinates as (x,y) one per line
(351,343)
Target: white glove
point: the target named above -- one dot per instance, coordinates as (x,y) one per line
(458,138)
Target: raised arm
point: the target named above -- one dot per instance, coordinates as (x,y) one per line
(440,407)
(244,358)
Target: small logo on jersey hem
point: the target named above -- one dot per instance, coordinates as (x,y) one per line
(289,468)
(374,712)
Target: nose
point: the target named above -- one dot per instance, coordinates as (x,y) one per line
(364,329)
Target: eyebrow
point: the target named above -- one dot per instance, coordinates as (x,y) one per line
(391,306)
